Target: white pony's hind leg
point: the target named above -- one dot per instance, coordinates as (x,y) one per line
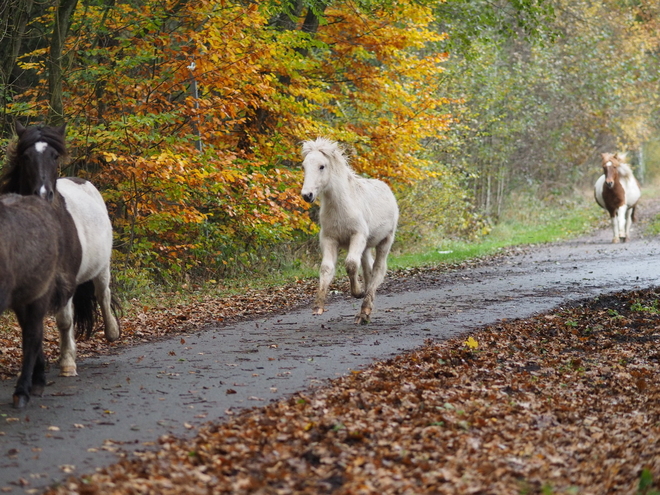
(353,259)
(104,297)
(367,266)
(330,250)
(377,277)
(64,320)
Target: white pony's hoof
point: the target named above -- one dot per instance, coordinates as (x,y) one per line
(615,240)
(362,319)
(623,239)
(112,335)
(317,311)
(68,371)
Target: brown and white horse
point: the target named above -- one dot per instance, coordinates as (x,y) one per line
(617,191)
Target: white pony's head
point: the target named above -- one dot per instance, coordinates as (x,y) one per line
(320,158)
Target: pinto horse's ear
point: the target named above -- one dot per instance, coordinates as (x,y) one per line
(20,128)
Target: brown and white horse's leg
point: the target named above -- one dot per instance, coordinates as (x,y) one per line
(354,258)
(620,218)
(629,220)
(377,277)
(64,320)
(330,250)
(103,296)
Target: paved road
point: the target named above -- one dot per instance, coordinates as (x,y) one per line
(126,401)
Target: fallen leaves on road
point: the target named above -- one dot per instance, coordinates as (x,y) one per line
(567,402)
(164,319)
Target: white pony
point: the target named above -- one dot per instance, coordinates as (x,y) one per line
(87,208)
(617,191)
(356,214)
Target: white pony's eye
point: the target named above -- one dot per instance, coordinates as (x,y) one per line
(321,167)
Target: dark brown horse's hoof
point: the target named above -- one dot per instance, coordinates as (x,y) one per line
(21,401)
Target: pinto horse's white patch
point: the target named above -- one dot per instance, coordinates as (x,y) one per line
(40,146)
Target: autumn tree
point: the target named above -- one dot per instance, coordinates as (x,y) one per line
(267,76)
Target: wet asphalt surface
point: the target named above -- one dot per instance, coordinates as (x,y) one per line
(125,401)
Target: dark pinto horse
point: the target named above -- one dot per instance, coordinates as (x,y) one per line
(33,170)
(617,191)
(39,257)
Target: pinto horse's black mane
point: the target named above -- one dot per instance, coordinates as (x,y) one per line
(29,136)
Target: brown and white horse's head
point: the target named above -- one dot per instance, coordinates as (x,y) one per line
(611,163)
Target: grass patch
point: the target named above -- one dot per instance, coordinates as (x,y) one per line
(547,225)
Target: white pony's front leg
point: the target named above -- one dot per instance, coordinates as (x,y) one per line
(377,277)
(64,320)
(330,250)
(102,292)
(354,257)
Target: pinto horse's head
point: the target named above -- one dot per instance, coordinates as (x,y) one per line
(34,161)
(610,163)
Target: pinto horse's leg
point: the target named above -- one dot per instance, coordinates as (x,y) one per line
(615,227)
(104,297)
(354,257)
(629,220)
(33,370)
(64,320)
(621,215)
(377,277)
(330,250)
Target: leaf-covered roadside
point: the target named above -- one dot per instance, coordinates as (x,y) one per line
(566,402)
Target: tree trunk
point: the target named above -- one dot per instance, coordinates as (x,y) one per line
(63,14)
(14,15)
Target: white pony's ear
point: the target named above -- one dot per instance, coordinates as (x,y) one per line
(620,156)
(306,148)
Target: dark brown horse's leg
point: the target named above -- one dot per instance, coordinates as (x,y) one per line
(33,374)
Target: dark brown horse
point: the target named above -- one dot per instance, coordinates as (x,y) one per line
(33,170)
(39,257)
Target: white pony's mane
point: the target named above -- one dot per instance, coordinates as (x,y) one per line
(331,149)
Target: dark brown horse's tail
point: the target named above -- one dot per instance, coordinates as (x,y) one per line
(84,310)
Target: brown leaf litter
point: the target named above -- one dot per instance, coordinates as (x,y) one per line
(566,402)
